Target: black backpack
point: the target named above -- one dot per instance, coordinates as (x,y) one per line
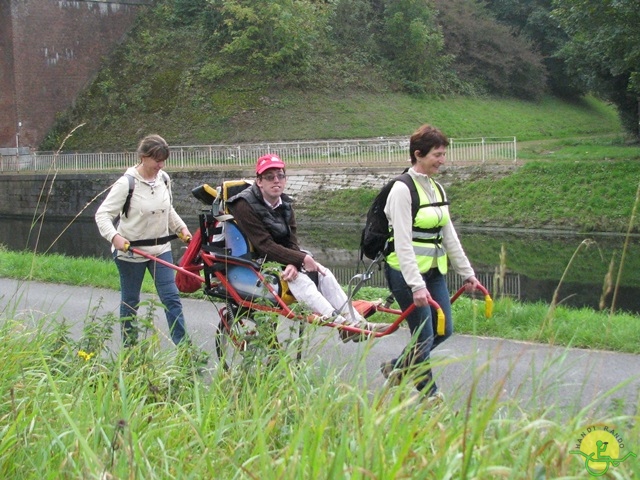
(373,240)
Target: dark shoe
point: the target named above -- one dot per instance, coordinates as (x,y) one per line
(193,355)
(349,336)
(392,374)
(386,368)
(200,357)
(129,334)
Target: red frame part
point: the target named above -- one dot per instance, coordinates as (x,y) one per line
(211,259)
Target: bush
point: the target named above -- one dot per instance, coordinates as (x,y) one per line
(487,54)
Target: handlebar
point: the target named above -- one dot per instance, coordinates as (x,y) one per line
(488,301)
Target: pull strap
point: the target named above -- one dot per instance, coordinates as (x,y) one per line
(153,241)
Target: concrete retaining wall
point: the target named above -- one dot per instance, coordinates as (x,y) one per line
(66,195)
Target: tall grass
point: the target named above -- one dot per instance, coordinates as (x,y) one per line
(148,413)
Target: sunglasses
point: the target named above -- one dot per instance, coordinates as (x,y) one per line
(270,177)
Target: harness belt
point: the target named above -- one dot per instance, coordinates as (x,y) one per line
(153,241)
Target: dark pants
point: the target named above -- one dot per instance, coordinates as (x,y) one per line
(422,323)
(131,276)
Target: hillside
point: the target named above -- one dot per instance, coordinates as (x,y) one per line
(295,115)
(171,77)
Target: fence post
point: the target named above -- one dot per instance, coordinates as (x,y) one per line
(484,151)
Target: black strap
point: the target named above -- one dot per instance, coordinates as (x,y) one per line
(153,241)
(435,204)
(132,185)
(127,202)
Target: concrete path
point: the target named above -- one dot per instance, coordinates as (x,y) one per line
(536,376)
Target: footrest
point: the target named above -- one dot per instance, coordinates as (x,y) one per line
(366,308)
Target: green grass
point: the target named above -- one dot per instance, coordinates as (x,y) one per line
(584,187)
(361,115)
(147,413)
(579,328)
(57,268)
(596,147)
(288,115)
(587,196)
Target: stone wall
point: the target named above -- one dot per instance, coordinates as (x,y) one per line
(65,195)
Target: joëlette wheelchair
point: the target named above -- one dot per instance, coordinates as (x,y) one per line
(249,295)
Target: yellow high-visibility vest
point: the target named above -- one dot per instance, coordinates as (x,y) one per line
(426,232)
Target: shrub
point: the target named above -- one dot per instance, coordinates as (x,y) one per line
(487,54)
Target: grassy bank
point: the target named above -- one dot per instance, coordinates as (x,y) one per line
(254,115)
(582,185)
(70,412)
(510,320)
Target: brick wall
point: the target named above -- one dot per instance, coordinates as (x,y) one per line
(50,50)
(8,121)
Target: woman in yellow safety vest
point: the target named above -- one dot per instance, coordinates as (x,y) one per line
(416,265)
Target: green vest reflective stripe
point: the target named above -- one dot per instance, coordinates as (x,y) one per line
(426,232)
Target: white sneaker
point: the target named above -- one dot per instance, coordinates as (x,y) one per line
(434,400)
(392,374)
(377,327)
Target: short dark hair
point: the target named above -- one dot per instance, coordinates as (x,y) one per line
(425,139)
(154,146)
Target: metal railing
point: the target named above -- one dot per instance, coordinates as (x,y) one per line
(370,152)
(510,284)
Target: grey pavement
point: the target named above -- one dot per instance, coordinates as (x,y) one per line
(559,380)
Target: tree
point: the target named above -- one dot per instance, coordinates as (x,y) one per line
(351,27)
(532,19)
(487,55)
(413,44)
(275,37)
(187,12)
(604,50)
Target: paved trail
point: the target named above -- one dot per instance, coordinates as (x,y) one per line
(566,380)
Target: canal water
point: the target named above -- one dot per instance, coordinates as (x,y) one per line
(524,265)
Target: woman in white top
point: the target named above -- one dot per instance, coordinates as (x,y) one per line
(148,222)
(416,266)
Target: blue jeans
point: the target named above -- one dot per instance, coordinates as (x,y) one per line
(422,324)
(131,276)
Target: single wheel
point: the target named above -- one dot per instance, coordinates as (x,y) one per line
(242,339)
